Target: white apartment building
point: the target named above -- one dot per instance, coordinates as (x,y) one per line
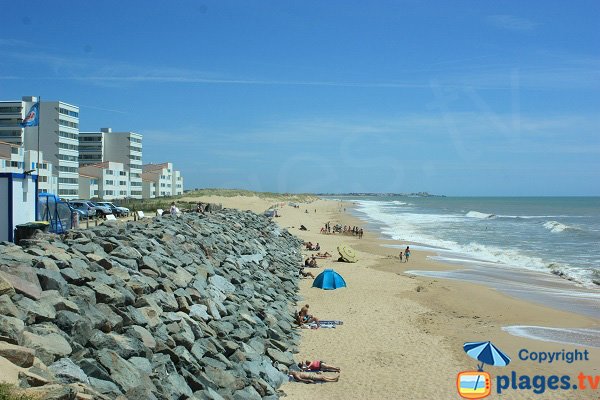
(58,137)
(166,180)
(11,115)
(15,159)
(120,147)
(112,180)
(88,186)
(148,188)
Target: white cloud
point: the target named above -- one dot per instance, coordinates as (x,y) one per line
(511,22)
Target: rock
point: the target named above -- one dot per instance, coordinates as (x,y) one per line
(32,379)
(106,294)
(105,387)
(52,280)
(18,355)
(67,372)
(124,346)
(198,311)
(221,284)
(8,308)
(6,287)
(122,372)
(37,311)
(27,288)
(11,329)
(51,392)
(248,393)
(47,347)
(285,358)
(142,334)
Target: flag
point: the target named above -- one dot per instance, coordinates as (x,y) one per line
(32,117)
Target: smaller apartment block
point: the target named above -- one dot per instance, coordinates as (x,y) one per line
(161,180)
(107,180)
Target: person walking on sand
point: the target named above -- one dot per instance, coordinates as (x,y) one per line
(406,254)
(400,256)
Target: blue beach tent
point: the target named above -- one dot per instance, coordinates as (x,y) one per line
(329,280)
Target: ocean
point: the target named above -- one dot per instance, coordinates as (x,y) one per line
(544,249)
(541,249)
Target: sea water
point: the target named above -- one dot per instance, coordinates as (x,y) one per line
(542,249)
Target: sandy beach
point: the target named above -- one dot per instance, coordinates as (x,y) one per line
(402,336)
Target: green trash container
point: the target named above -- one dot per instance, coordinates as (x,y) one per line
(26,231)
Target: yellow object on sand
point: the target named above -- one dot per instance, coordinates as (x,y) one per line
(347,253)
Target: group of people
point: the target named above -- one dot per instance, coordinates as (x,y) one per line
(345,230)
(311,371)
(405,255)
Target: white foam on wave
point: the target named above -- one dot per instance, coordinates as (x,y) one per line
(576,336)
(405,227)
(557,227)
(479,215)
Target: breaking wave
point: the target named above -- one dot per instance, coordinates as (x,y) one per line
(479,215)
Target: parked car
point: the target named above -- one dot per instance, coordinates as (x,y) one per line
(117,210)
(99,211)
(85,211)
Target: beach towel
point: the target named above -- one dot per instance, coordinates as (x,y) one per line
(313,325)
(332,322)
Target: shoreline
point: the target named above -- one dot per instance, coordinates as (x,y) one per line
(438,312)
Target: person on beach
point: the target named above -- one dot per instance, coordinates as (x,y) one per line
(317,366)
(305,318)
(173,209)
(308,377)
(406,254)
(305,274)
(400,256)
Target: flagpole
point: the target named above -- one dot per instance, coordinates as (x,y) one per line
(38,137)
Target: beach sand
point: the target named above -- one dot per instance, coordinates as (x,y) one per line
(402,336)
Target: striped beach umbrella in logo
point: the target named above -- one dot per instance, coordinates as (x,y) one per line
(486,353)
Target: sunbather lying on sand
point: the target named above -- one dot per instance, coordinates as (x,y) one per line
(323,255)
(308,377)
(304,317)
(317,366)
(305,274)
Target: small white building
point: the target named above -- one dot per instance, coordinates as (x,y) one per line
(18,202)
(88,186)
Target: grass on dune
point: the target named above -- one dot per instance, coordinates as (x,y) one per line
(189,199)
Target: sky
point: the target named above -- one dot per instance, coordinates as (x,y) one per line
(462,98)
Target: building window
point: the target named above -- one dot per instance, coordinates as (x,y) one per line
(65,157)
(68,135)
(68,112)
(108,192)
(122,173)
(68,169)
(10,110)
(68,192)
(123,183)
(67,146)
(70,181)
(68,123)
(109,172)
(109,182)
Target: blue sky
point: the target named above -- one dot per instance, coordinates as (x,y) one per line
(456,98)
